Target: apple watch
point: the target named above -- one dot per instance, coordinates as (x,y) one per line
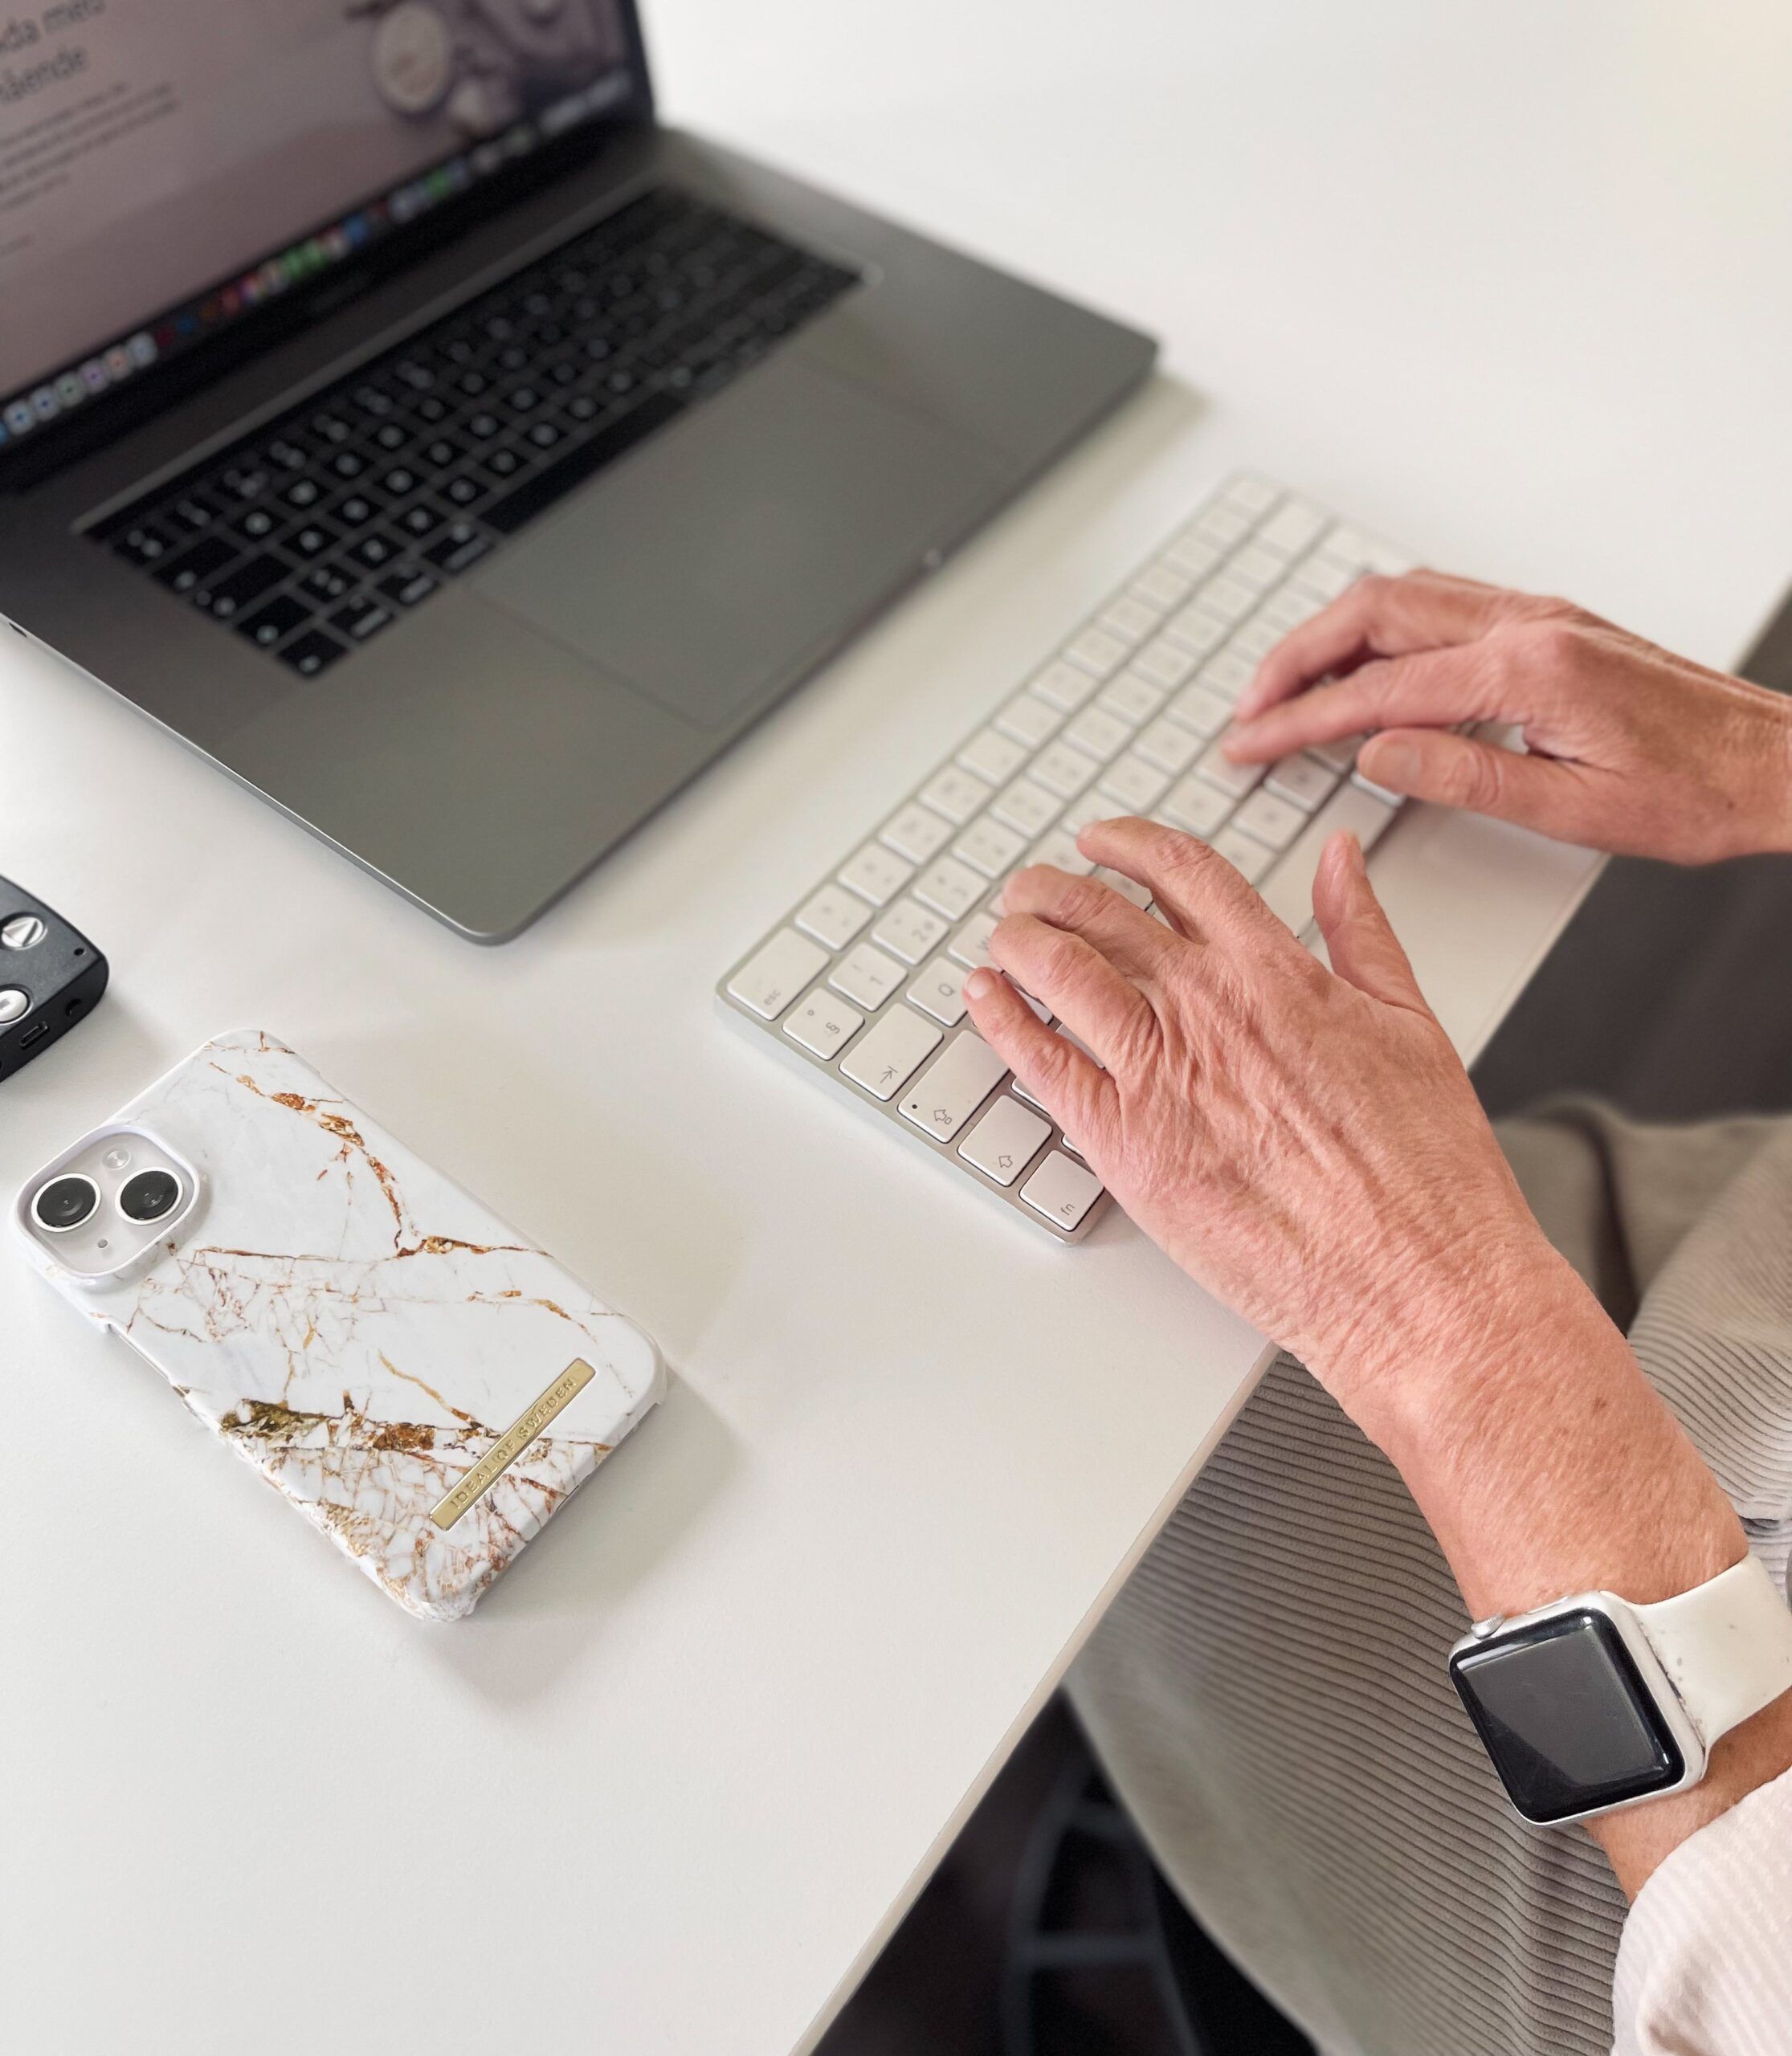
(1592,1703)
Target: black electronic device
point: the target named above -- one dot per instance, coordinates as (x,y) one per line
(51,976)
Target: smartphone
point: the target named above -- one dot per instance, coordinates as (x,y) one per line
(426,1386)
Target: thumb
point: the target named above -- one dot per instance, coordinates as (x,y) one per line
(1430,764)
(1363,948)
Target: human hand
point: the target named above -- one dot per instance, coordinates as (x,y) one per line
(1631,749)
(1303,1141)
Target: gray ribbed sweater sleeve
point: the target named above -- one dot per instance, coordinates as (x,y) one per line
(1704,1965)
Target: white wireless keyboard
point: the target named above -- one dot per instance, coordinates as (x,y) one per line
(862,981)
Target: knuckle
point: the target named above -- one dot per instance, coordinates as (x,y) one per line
(1472,778)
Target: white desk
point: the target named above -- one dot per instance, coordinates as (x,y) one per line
(1510,285)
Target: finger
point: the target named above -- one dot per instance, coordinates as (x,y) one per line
(1069,1084)
(1129,939)
(1359,938)
(1092,998)
(1438,688)
(1206,896)
(1459,771)
(1375,617)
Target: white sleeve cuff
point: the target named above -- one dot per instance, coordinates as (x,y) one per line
(1704,1965)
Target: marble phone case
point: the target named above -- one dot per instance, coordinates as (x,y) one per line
(363,1331)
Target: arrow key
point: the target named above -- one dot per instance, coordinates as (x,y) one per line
(1005,1141)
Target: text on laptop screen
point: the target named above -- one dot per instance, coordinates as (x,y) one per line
(168,166)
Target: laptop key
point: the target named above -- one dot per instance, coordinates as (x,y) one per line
(406,588)
(204,559)
(313,653)
(275,622)
(461,546)
(328,583)
(586,459)
(361,620)
(232,593)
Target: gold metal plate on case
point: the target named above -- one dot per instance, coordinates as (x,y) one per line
(530,1423)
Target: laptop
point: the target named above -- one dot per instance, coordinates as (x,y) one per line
(392,409)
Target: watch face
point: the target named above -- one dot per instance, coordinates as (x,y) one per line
(1565,1717)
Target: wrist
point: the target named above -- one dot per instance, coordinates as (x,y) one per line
(1544,1461)
(1771,816)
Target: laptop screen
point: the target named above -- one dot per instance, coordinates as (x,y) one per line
(168,167)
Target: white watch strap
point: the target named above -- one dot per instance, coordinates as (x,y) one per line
(1726,1646)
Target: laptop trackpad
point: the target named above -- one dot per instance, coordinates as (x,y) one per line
(744,538)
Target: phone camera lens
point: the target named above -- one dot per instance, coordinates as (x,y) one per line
(149,1196)
(65,1203)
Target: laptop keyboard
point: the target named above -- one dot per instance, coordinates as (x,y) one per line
(321,529)
(862,981)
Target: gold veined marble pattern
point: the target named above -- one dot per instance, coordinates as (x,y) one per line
(360,1329)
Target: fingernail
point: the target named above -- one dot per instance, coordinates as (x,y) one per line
(979,985)
(1396,764)
(1235,738)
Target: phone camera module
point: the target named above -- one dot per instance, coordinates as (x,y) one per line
(117,1158)
(65,1203)
(149,1196)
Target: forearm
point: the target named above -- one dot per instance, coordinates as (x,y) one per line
(1546,1464)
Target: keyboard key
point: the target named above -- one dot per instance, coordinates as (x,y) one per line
(824,1024)
(1251,494)
(1064,686)
(1098,733)
(1024,806)
(361,620)
(1196,806)
(1198,708)
(1245,853)
(313,654)
(375,552)
(953,1086)
(277,619)
(940,990)
(834,915)
(1005,1141)
(1302,780)
(916,833)
(1162,587)
(201,560)
(992,756)
(950,888)
(461,546)
(1134,698)
(326,585)
(1271,820)
(1258,568)
(773,977)
(876,873)
(1289,893)
(1062,770)
(909,930)
(1222,525)
(1028,720)
(1292,529)
(884,1059)
(957,793)
(1130,618)
(313,539)
(1340,755)
(971,944)
(228,595)
(1219,769)
(1197,631)
(1193,555)
(1096,652)
(1227,675)
(406,588)
(1166,662)
(1169,746)
(1134,784)
(987,845)
(868,977)
(1062,1190)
